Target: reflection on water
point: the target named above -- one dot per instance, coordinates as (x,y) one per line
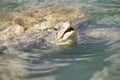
(95,57)
(110,72)
(11,67)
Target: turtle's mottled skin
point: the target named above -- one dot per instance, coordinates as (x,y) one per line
(41,23)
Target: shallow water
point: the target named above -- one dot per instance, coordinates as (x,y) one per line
(95,57)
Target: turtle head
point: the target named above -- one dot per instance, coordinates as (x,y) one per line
(65,34)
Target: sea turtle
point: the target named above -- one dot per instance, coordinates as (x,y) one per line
(42,23)
(30,27)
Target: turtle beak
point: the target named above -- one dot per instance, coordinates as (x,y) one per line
(64,28)
(70,31)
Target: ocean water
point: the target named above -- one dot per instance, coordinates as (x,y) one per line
(95,57)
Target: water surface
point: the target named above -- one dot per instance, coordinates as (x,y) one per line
(95,57)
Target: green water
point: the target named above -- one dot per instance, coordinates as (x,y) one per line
(95,57)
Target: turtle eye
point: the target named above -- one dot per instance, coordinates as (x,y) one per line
(55,29)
